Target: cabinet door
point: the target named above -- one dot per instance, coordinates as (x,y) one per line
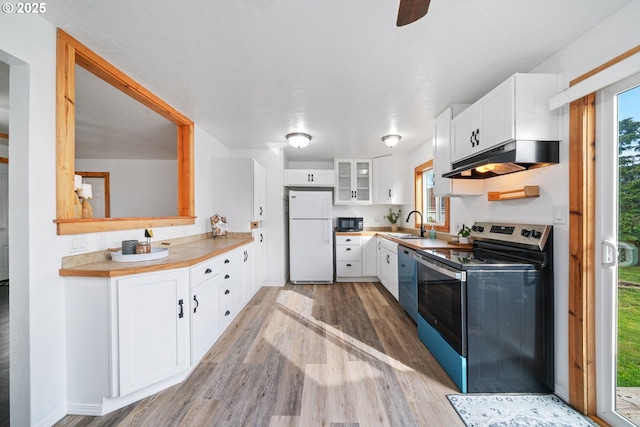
(309,178)
(442,159)
(344,190)
(362,183)
(497,116)
(248,282)
(260,258)
(153,328)
(463,127)
(259,192)
(382,180)
(322,178)
(369,256)
(204,317)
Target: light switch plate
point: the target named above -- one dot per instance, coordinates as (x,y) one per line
(560,214)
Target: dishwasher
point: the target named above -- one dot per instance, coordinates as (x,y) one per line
(408,281)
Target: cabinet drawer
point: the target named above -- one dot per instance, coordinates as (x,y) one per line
(348,240)
(348,252)
(348,268)
(230,300)
(209,268)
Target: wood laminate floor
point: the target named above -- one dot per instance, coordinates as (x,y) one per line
(306,355)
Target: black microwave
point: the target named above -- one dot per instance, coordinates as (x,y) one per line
(351,223)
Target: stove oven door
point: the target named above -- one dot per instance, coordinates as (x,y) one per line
(442,301)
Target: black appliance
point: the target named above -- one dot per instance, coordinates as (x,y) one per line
(486,313)
(352,223)
(408,281)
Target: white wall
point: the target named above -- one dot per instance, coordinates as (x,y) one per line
(138,187)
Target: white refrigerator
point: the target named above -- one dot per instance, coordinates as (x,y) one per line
(310,237)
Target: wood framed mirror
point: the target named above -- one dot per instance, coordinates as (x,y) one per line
(70,53)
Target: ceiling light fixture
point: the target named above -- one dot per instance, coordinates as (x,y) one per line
(298,139)
(391,140)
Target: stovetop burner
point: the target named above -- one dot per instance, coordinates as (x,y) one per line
(499,245)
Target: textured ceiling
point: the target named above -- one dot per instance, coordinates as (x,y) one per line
(250,71)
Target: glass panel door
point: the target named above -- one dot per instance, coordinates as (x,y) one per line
(344,193)
(618,280)
(363,181)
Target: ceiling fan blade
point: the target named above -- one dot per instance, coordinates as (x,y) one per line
(411,10)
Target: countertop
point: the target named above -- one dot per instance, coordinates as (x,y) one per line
(184,255)
(415,244)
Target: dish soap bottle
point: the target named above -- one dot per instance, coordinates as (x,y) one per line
(432,233)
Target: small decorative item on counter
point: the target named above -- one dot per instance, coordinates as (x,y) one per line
(129,247)
(218,225)
(432,233)
(464,234)
(393,217)
(143,248)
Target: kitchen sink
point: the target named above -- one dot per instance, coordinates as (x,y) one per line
(405,236)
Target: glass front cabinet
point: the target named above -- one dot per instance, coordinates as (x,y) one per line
(353,182)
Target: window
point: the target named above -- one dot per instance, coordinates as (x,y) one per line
(434,209)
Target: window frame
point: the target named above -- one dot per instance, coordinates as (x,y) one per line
(417,176)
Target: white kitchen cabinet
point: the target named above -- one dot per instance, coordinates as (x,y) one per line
(260,256)
(127,337)
(391,180)
(348,256)
(516,109)
(369,256)
(444,187)
(239,191)
(153,328)
(309,178)
(249,287)
(353,182)
(389,266)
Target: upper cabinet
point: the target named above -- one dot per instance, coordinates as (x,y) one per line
(391,180)
(516,109)
(239,191)
(442,158)
(309,178)
(353,184)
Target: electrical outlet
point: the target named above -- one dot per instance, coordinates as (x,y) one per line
(101,241)
(560,214)
(78,243)
(458,227)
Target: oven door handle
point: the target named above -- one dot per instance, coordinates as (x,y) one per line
(435,266)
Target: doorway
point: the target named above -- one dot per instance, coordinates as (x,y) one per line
(618,271)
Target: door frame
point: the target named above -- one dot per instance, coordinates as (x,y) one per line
(582,238)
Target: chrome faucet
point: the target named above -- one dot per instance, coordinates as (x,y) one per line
(421,222)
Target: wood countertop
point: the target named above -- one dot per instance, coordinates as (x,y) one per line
(415,244)
(185,255)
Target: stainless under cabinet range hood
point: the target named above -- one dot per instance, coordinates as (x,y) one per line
(511,156)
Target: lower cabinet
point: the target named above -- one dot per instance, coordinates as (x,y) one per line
(388,261)
(153,329)
(131,336)
(356,258)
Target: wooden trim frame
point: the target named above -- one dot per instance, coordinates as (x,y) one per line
(418,171)
(582,382)
(107,188)
(69,53)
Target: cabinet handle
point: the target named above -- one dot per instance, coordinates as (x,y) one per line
(476,137)
(355,194)
(388,259)
(246,256)
(181,313)
(197,303)
(348,265)
(226,313)
(348,249)
(226,261)
(227,291)
(389,192)
(226,276)
(207,271)
(348,240)
(308,177)
(261,238)
(261,210)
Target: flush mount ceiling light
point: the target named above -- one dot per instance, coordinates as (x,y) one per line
(391,140)
(298,139)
